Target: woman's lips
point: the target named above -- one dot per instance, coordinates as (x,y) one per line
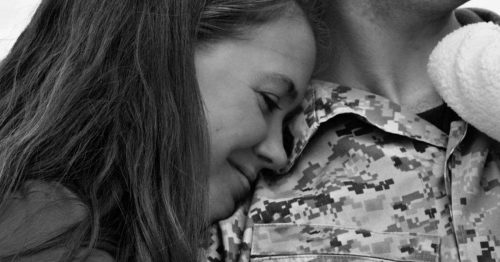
(250,176)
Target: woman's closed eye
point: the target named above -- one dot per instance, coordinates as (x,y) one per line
(270,101)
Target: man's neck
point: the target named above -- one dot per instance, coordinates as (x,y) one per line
(386,57)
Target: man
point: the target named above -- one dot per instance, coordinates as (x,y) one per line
(381,167)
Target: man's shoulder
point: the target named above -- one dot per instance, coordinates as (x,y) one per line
(467,16)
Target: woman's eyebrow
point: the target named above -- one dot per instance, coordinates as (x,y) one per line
(283,80)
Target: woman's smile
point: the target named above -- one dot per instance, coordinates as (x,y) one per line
(248,88)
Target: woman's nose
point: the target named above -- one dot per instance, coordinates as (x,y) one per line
(271,150)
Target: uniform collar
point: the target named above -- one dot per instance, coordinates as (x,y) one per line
(326,100)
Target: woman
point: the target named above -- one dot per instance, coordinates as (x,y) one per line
(107,133)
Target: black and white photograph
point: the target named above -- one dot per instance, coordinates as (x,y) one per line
(249,130)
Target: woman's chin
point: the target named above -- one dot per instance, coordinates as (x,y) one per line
(220,208)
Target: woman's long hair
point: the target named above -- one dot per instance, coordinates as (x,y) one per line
(101,97)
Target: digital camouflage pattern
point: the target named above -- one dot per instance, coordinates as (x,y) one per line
(367,181)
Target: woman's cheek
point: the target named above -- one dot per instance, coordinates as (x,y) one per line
(239,128)
(255,131)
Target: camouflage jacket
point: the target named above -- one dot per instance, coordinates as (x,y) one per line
(372,183)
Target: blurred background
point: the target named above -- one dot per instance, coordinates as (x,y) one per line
(493,5)
(15,14)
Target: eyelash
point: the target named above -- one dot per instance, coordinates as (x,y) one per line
(270,103)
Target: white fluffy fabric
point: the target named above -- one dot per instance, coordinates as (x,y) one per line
(465,69)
